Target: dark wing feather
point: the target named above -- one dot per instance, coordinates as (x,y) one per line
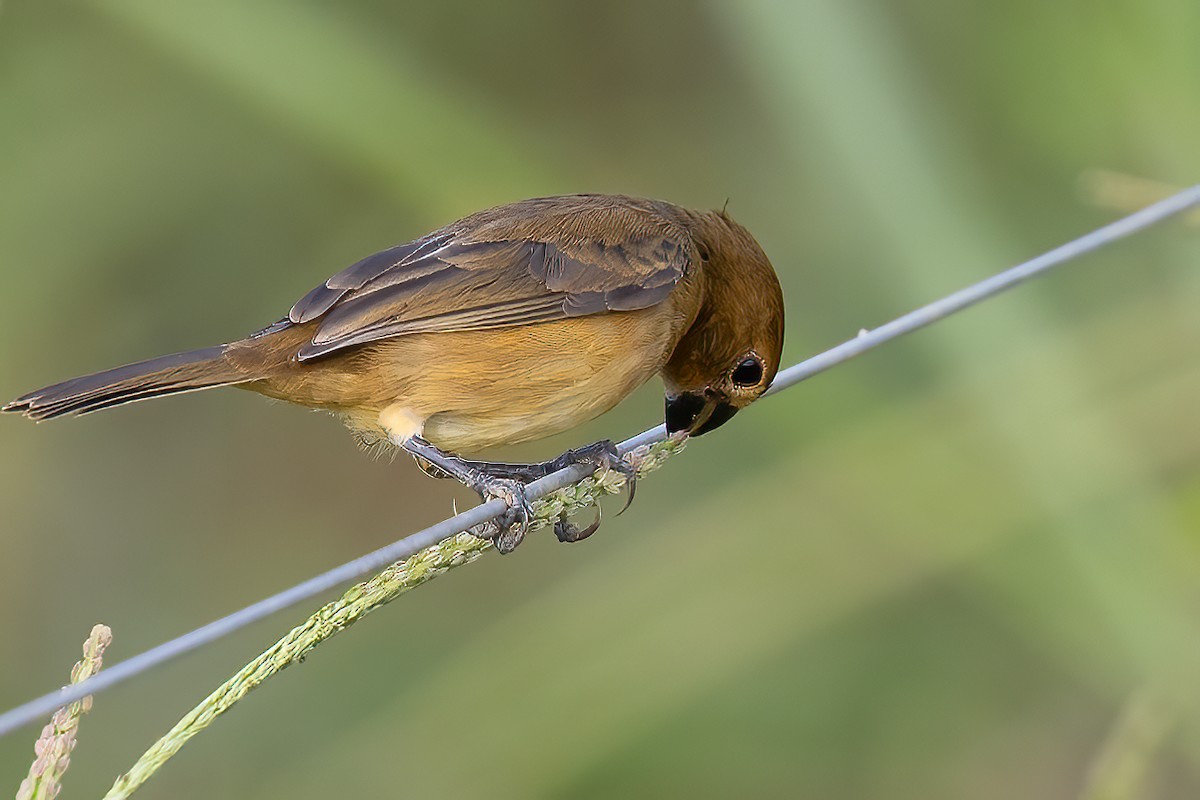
(355,276)
(449,281)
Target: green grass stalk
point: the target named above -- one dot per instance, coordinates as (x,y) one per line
(364,598)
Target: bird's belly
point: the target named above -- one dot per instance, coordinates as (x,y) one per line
(482,389)
(529,416)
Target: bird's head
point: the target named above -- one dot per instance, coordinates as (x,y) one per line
(730,354)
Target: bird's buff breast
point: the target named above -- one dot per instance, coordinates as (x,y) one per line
(472,390)
(463,432)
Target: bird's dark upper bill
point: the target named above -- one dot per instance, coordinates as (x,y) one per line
(696,414)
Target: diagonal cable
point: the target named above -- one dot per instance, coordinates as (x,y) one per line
(414,543)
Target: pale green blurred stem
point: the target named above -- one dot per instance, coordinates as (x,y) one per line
(53,748)
(1120,769)
(363,598)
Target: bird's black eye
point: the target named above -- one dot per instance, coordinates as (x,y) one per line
(748,373)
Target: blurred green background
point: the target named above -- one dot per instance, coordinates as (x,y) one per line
(940,571)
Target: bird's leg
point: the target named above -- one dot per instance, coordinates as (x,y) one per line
(511,527)
(525,473)
(597,454)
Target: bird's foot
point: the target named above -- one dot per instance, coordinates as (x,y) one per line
(507,482)
(600,455)
(507,530)
(567,531)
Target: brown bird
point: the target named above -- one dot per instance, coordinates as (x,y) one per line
(508,325)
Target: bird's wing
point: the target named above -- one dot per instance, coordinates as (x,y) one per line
(490,272)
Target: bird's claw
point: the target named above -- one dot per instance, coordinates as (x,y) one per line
(507,530)
(566,531)
(602,454)
(620,465)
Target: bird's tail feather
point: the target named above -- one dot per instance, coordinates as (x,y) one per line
(173,374)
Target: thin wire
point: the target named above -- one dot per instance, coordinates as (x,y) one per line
(964,298)
(409,545)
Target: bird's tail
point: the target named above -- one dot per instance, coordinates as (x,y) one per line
(173,374)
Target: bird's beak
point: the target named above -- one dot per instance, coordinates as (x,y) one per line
(696,414)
